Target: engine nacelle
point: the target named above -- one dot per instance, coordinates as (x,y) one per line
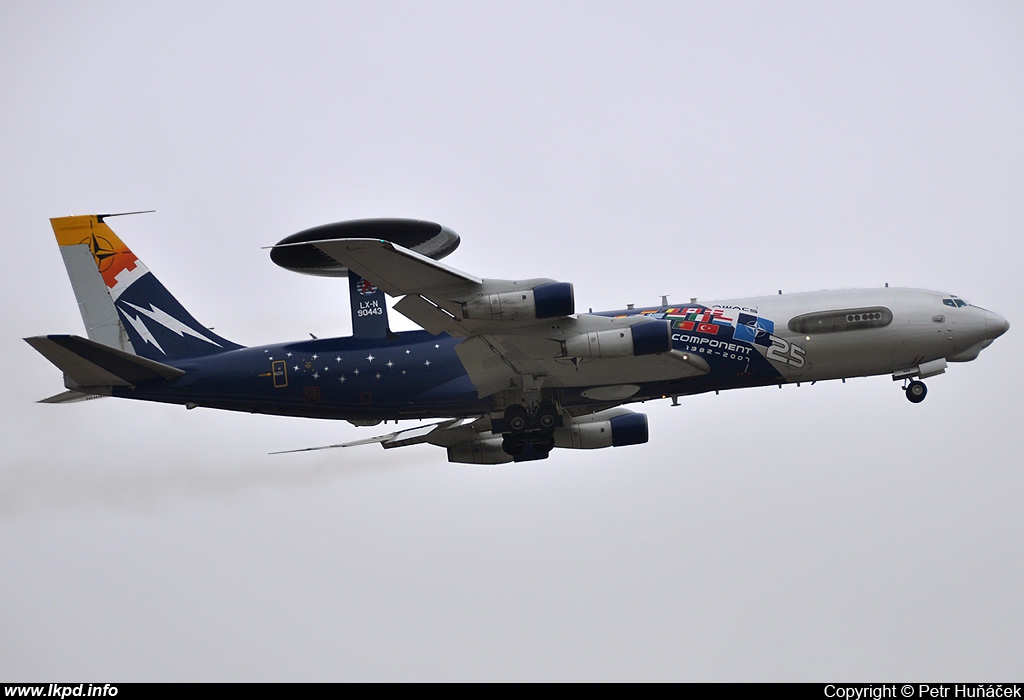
(586,433)
(646,338)
(485,451)
(543,301)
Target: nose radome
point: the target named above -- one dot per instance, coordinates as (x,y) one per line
(995,325)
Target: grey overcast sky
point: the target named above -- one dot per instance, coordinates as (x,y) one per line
(635,149)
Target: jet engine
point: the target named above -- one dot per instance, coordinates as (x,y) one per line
(646,338)
(483,451)
(616,427)
(550,300)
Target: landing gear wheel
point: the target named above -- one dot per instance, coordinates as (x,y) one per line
(547,416)
(916,391)
(516,419)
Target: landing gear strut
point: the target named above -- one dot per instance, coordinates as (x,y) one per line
(916,391)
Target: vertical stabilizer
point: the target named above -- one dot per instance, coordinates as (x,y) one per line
(88,253)
(369,310)
(122,303)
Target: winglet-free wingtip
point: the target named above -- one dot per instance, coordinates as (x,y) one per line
(70,396)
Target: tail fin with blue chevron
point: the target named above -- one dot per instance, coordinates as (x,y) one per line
(123,304)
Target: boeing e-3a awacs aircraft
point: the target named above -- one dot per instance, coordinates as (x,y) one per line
(509,366)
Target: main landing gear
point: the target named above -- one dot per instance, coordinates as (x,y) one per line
(916,391)
(530,435)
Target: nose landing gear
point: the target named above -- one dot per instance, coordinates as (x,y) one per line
(916,391)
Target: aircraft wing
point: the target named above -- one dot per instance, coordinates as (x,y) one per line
(434,293)
(396,270)
(447,433)
(70,396)
(471,440)
(514,329)
(497,362)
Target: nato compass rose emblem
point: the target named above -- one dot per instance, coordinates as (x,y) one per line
(365,289)
(754,329)
(101,251)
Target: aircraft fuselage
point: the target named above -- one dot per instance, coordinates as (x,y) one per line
(745,342)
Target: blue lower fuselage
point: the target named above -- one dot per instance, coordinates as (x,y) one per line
(411,375)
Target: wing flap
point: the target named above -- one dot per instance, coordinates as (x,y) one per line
(431,318)
(489,371)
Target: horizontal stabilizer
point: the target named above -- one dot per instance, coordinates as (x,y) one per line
(88,363)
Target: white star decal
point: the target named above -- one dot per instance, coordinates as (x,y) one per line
(403,371)
(342,380)
(370,358)
(390,363)
(427,363)
(377,375)
(406,352)
(338,358)
(289,355)
(355,372)
(436,345)
(314,357)
(295,368)
(271,357)
(316,375)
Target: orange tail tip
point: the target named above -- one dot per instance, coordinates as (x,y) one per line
(113,258)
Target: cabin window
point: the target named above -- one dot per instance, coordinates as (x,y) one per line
(840,320)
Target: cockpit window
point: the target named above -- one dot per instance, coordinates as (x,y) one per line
(955,302)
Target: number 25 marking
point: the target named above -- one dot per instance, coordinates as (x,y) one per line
(786,353)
